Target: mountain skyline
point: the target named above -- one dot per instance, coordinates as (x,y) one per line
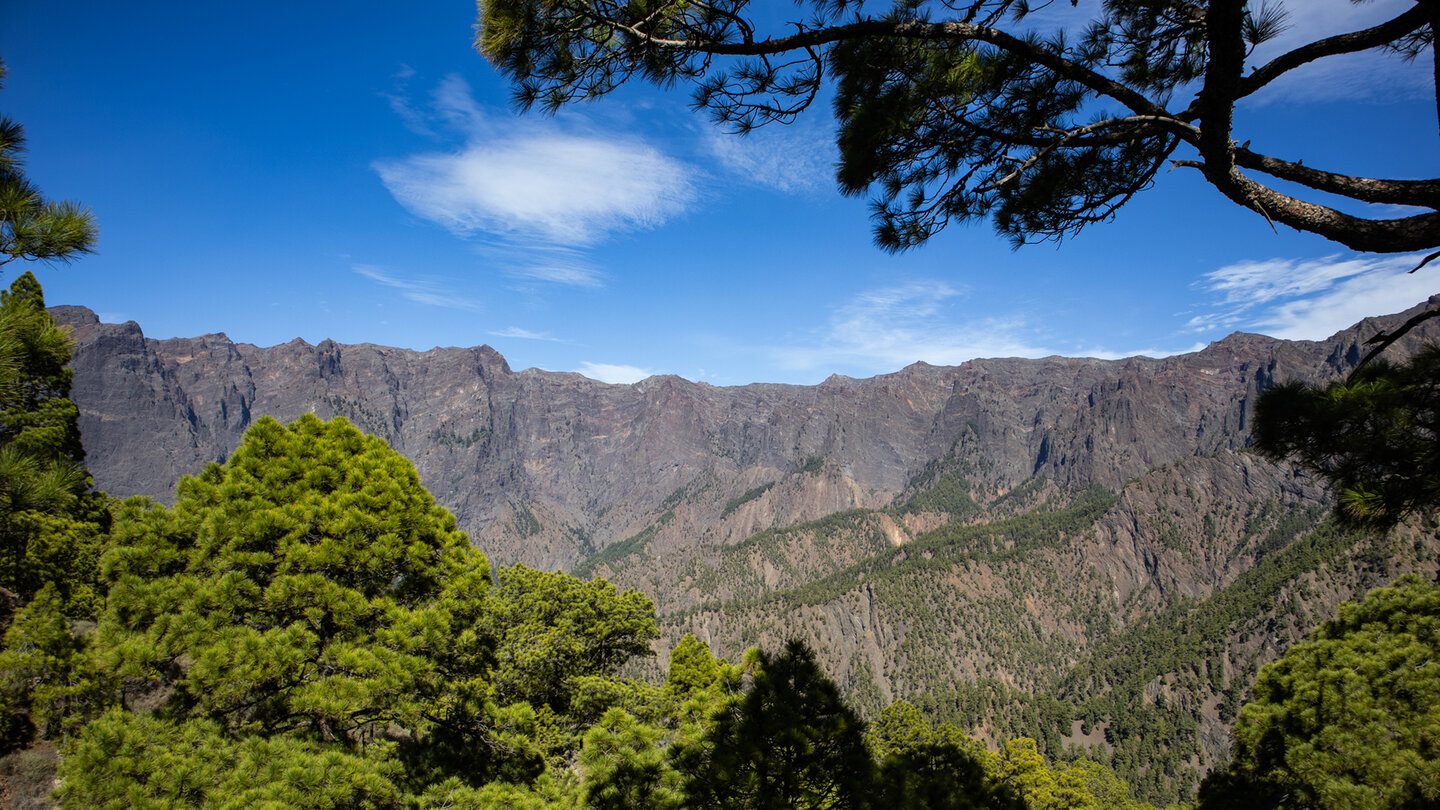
(555,467)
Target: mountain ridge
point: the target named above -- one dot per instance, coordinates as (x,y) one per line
(465,417)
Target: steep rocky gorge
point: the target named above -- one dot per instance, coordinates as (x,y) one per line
(1091,529)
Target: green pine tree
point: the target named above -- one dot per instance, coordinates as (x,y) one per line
(558,633)
(1375,437)
(790,743)
(51,524)
(1349,718)
(127,759)
(625,767)
(30,226)
(45,667)
(930,768)
(307,595)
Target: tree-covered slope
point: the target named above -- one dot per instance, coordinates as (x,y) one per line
(1129,625)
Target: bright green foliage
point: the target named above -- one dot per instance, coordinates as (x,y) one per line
(556,631)
(1349,718)
(45,667)
(699,687)
(900,727)
(51,525)
(35,414)
(925,768)
(305,611)
(693,668)
(309,586)
(1023,769)
(126,760)
(700,682)
(548,792)
(1375,437)
(789,743)
(1109,791)
(31,227)
(1079,785)
(625,768)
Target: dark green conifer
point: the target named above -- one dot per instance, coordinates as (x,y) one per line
(791,743)
(51,524)
(1375,437)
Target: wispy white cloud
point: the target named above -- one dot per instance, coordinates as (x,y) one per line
(888,328)
(530,181)
(399,99)
(456,105)
(608,373)
(524,334)
(534,262)
(885,329)
(574,274)
(1310,299)
(430,292)
(792,159)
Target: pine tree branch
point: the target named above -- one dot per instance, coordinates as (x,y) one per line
(1334,46)
(1364,189)
(925,31)
(1384,340)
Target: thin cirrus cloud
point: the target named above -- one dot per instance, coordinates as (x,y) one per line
(1311,299)
(885,329)
(536,182)
(535,262)
(559,271)
(430,292)
(792,159)
(399,99)
(617,374)
(524,334)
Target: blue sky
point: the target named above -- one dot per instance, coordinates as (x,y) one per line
(355,171)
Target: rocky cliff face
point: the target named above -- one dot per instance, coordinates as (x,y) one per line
(548,468)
